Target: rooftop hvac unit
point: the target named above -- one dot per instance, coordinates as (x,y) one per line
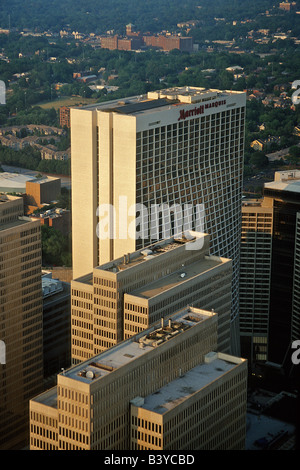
(90,374)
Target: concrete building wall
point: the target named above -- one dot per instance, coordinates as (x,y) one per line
(44,424)
(21,327)
(94,414)
(211,417)
(11,207)
(124,186)
(82,321)
(209,289)
(84,191)
(109,283)
(179,146)
(43,191)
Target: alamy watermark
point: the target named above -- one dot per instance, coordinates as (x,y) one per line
(157,222)
(2,92)
(296,354)
(2,353)
(295,97)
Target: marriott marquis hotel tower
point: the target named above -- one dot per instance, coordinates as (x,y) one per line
(178,147)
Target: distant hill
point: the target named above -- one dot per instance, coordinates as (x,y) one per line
(102,15)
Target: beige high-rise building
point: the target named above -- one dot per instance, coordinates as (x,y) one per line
(89,409)
(189,413)
(21,320)
(127,295)
(138,160)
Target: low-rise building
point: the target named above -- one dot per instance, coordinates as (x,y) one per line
(59,219)
(64,116)
(51,153)
(41,191)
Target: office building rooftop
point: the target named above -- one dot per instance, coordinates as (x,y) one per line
(129,350)
(180,276)
(14,182)
(288,180)
(162,98)
(130,260)
(48,398)
(51,286)
(183,387)
(16,223)
(5,198)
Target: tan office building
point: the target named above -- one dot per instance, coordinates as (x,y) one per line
(203,409)
(178,147)
(42,191)
(89,409)
(127,295)
(11,207)
(21,320)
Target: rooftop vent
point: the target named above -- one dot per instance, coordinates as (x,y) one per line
(146,252)
(90,374)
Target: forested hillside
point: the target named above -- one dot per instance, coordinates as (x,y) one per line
(102,15)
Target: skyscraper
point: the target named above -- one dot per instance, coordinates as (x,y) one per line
(137,161)
(270,267)
(255,278)
(284,314)
(21,320)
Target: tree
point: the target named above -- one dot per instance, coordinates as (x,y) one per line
(258,159)
(294,151)
(55,247)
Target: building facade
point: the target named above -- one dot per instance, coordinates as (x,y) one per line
(56,325)
(127,295)
(255,278)
(295,326)
(136,161)
(185,414)
(42,191)
(11,207)
(284,194)
(168,43)
(89,409)
(21,320)
(64,116)
(136,41)
(269,281)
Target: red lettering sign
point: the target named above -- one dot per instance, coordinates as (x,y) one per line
(200,109)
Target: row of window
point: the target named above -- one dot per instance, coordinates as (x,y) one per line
(104,282)
(144,438)
(82,294)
